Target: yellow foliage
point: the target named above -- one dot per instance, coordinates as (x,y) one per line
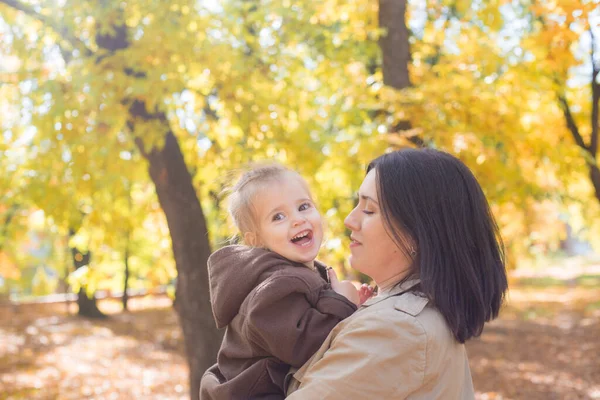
(8,269)
(296,81)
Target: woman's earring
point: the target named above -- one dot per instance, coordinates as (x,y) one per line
(413,253)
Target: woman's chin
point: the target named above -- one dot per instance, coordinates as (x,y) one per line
(354,263)
(359,266)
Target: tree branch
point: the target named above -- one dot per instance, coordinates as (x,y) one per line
(571,125)
(64,33)
(595,99)
(137,109)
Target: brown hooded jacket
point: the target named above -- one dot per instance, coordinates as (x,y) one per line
(277,313)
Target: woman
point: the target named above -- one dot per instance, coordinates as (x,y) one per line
(424,232)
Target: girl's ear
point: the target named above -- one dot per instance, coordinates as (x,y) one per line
(251,239)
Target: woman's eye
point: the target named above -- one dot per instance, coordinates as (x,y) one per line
(367,212)
(278,217)
(304,206)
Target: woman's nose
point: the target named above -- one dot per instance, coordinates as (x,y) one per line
(350,222)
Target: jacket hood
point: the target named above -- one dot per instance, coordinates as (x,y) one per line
(233,272)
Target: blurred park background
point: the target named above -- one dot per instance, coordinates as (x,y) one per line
(122,122)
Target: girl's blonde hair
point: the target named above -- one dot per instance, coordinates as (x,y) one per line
(242,194)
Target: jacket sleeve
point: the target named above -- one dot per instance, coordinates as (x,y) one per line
(290,320)
(371,357)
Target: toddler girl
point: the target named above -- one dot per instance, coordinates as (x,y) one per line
(272,296)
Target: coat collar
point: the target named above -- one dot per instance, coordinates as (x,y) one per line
(394,291)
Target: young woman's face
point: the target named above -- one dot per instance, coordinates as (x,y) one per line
(373,252)
(288,222)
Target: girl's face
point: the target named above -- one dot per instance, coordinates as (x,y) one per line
(288,222)
(373,252)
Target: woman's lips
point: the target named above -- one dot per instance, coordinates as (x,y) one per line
(354,242)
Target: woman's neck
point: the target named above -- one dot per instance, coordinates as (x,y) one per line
(389,281)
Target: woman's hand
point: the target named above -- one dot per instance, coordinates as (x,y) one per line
(345,288)
(364,293)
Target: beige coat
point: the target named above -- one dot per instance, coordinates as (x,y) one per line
(394,347)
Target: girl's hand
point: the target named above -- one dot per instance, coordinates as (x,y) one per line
(364,293)
(345,288)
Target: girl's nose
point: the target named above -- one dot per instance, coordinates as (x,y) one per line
(298,221)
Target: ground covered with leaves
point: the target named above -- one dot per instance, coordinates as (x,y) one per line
(546,345)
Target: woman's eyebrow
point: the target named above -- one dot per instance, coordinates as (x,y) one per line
(368,198)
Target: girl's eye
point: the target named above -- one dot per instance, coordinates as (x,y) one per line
(367,212)
(277,217)
(304,206)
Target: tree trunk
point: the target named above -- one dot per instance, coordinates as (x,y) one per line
(595,178)
(191,249)
(590,149)
(178,199)
(395,53)
(394,44)
(125,298)
(88,307)
(187,226)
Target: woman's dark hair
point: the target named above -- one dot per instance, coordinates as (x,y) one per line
(431,201)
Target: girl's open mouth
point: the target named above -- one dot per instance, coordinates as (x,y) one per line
(303,238)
